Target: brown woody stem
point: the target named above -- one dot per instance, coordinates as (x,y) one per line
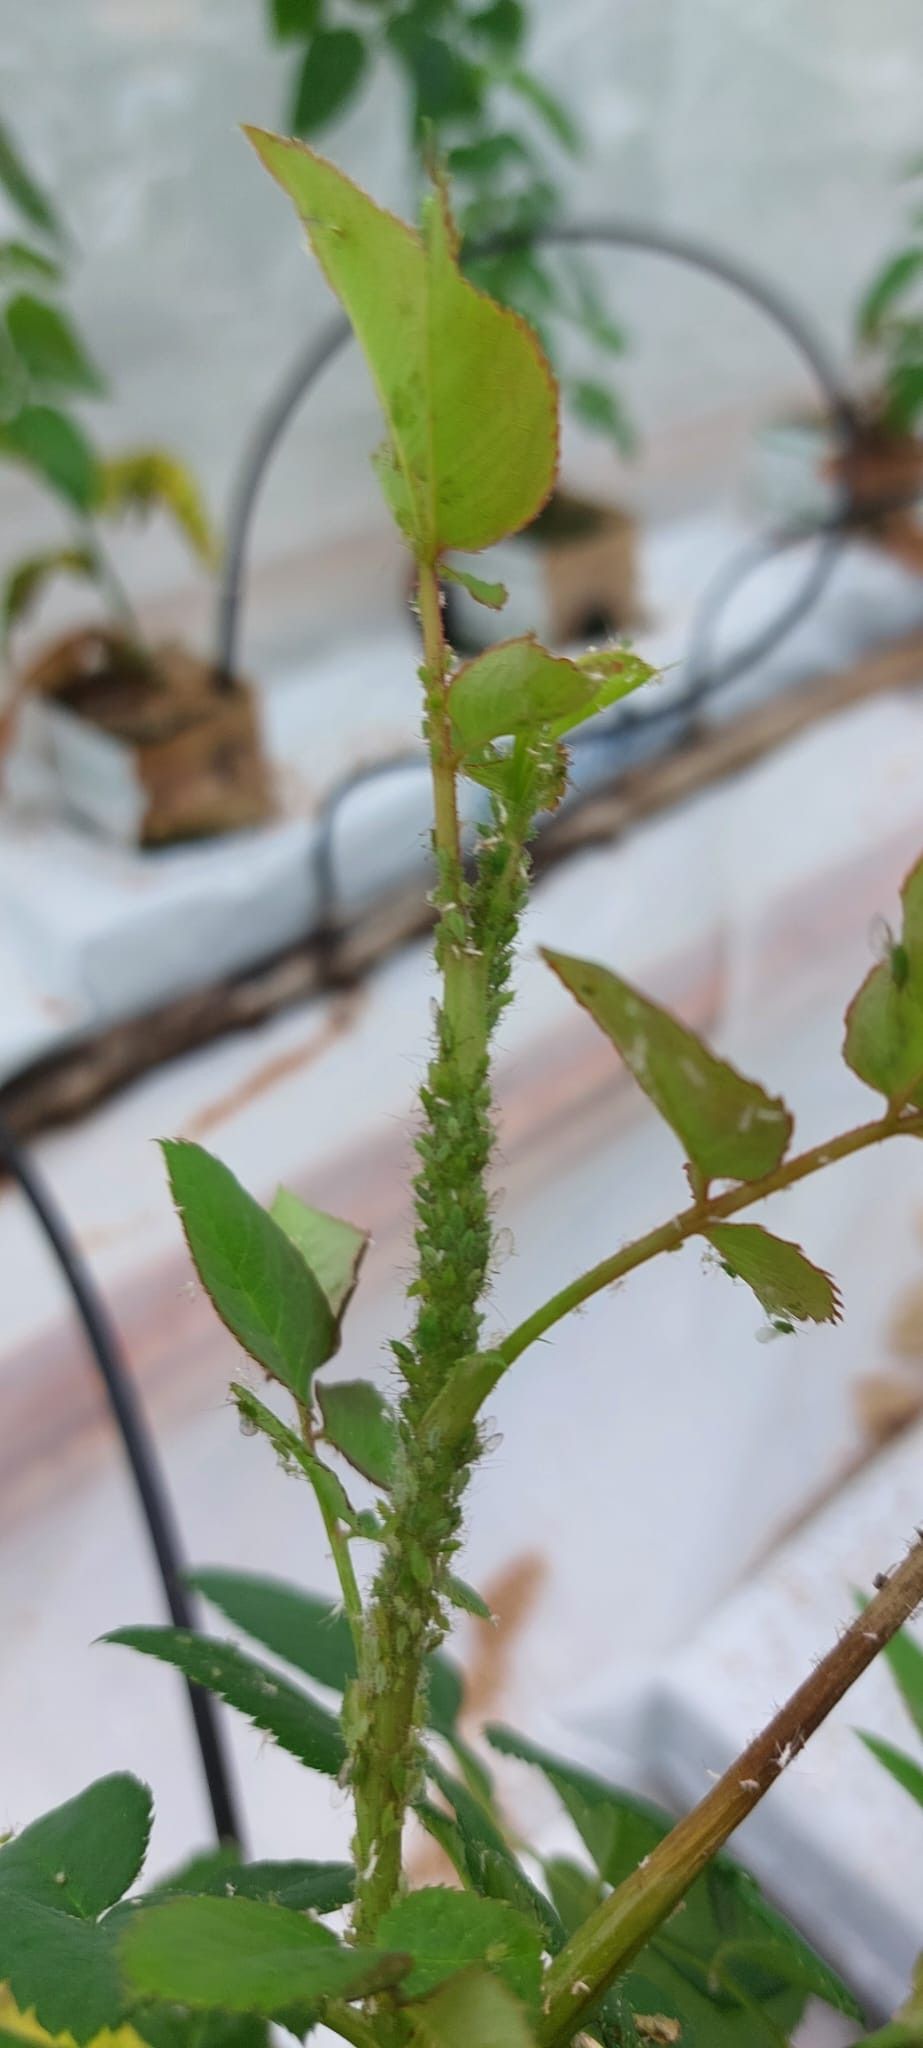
(606,1943)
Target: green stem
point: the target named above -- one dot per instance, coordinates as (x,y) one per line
(404,1619)
(608,1941)
(459,1402)
(338,1540)
(350,2025)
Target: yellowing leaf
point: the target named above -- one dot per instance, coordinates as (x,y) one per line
(468,397)
(729,1126)
(514,687)
(151,480)
(27,583)
(25,2027)
(884,1022)
(785,1283)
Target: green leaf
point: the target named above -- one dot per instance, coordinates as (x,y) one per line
(576,1892)
(334,1250)
(294,19)
(893,280)
(468,398)
(549,109)
(27,583)
(492,153)
(56,450)
(443,1931)
(293,1452)
(600,409)
(81,1857)
(18,260)
(304,1887)
(446,87)
(56,1878)
(904,389)
(493,595)
(729,1126)
(905,1658)
(502,26)
(616,673)
(475,1844)
(360,1425)
(467,1598)
(243,1956)
(618,1829)
(151,480)
(312,1636)
(514,687)
(61,1969)
(49,347)
(329,78)
(884,1022)
(785,1283)
(473,2009)
(260,1285)
(20,187)
(298,1724)
(901,1767)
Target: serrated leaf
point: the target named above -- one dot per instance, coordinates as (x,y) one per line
(723,1907)
(18,260)
(50,348)
(56,450)
(884,1022)
(513,688)
(334,1250)
(476,1846)
(444,1931)
(360,1425)
(331,1495)
(473,2008)
(615,673)
(303,1887)
(492,595)
(296,1721)
(467,395)
(729,1126)
(260,1285)
(63,1969)
(27,583)
(151,480)
(785,1283)
(902,1767)
(81,1857)
(330,75)
(244,1956)
(312,1636)
(618,1828)
(20,187)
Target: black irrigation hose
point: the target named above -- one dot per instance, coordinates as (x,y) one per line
(142,1459)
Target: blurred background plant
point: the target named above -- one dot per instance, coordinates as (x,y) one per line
(471,95)
(45,370)
(889,324)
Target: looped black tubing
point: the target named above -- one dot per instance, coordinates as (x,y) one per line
(139,1449)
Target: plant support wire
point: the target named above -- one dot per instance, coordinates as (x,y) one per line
(142,1461)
